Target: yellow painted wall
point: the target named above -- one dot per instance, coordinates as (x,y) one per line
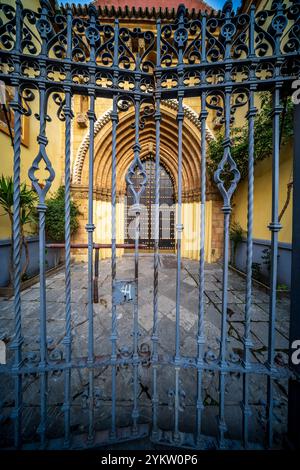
(102,221)
(55,152)
(263,197)
(190,236)
(263,188)
(191,212)
(55,148)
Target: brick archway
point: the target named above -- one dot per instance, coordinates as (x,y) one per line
(191,155)
(168,156)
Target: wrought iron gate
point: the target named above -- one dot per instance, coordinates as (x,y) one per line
(222,58)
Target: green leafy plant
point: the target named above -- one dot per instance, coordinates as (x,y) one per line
(55,216)
(236,233)
(283,287)
(266,257)
(263,138)
(28,200)
(256,271)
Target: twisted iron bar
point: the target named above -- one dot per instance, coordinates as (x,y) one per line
(17,247)
(248,297)
(180,39)
(114,335)
(68,115)
(157,118)
(201,295)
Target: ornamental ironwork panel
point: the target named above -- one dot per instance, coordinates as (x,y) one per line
(222,58)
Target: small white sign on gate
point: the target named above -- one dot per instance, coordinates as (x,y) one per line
(2,352)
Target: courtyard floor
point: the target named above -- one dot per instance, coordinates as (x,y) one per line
(102,345)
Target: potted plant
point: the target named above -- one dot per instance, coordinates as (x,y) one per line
(55,217)
(28,200)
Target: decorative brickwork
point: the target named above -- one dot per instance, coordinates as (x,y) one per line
(102,165)
(146,8)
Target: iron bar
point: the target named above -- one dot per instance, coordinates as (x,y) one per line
(248,298)
(223,350)
(68,336)
(42,187)
(114,333)
(274,227)
(246,409)
(90,227)
(201,331)
(201,299)
(137,149)
(17,245)
(43,314)
(157,117)
(179,227)
(96,276)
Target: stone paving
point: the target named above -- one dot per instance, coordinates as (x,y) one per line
(102,344)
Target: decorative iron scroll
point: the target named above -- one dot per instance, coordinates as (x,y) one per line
(215,43)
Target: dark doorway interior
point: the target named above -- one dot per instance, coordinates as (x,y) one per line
(166,209)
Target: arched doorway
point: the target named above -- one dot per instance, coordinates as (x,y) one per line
(191,164)
(147,217)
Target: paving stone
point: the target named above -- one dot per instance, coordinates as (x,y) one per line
(30,294)
(283,313)
(237,331)
(56,314)
(165,304)
(166,333)
(213,297)
(212,314)
(258,313)
(189,346)
(235,312)
(55,295)
(6,309)
(146,316)
(231,298)
(102,343)
(7,330)
(190,281)
(259,296)
(265,306)
(283,328)
(187,318)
